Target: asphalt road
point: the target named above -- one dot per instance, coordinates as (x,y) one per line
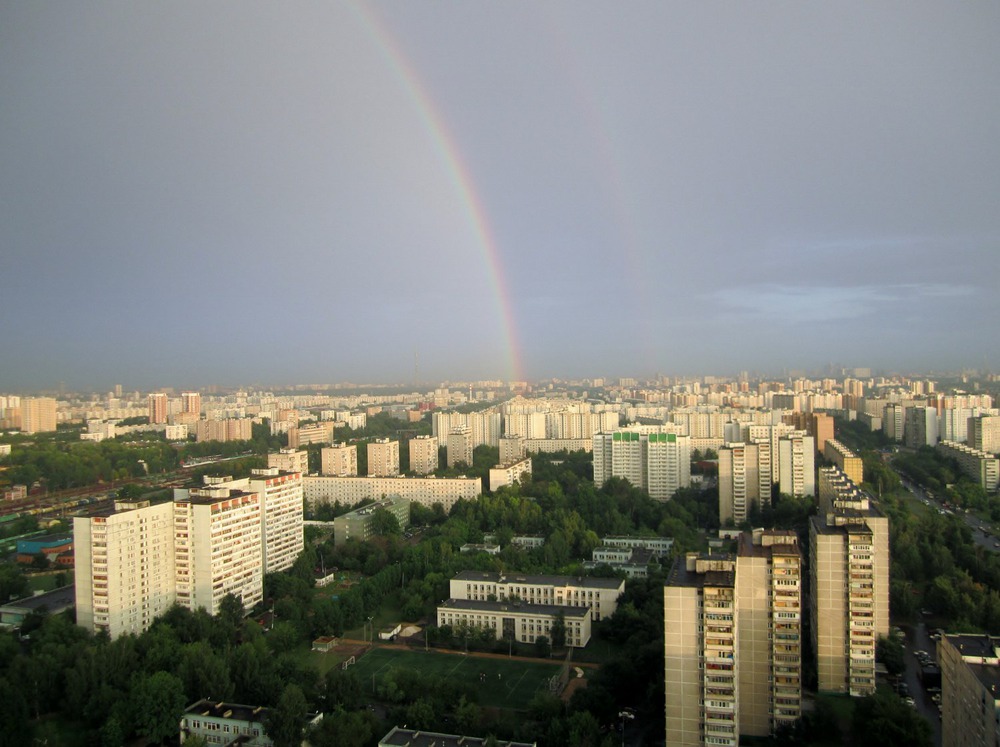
(918,639)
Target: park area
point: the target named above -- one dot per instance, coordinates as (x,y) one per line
(500,682)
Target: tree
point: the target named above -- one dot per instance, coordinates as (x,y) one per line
(157,704)
(884,720)
(889,651)
(384,523)
(285,722)
(542,647)
(558,632)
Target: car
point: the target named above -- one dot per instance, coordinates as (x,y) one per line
(910,702)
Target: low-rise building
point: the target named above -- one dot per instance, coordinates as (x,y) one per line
(349,491)
(404,737)
(598,594)
(358,523)
(517,620)
(230,724)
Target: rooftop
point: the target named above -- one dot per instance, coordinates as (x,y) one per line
(473,605)
(590,582)
(413,738)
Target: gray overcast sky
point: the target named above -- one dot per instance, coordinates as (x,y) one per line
(241,192)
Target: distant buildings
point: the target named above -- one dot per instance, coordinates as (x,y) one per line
(231,429)
(289,460)
(191,402)
(460,446)
(745,480)
(796,465)
(984,433)
(981,466)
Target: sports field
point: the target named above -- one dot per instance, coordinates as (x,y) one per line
(516,685)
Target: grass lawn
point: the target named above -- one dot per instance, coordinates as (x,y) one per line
(518,681)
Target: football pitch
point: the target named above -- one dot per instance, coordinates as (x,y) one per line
(501,683)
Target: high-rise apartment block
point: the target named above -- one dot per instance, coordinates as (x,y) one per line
(339,460)
(745,480)
(231,429)
(796,465)
(423,454)
(821,429)
(124,567)
(38,414)
(383,458)
(460,446)
(845,460)
(893,422)
(970,690)
(512,449)
(137,560)
(849,544)
(920,427)
(649,457)
(983,433)
(732,641)
(157,407)
(191,402)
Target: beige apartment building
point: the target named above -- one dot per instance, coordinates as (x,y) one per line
(970,690)
(423,454)
(983,433)
(849,543)
(339,460)
(289,460)
(217,547)
(512,449)
(124,571)
(845,460)
(157,403)
(383,458)
(459,446)
(191,402)
(744,480)
(508,474)
(796,465)
(38,414)
(349,491)
(732,641)
(700,664)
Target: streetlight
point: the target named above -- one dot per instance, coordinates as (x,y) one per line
(371,639)
(626,714)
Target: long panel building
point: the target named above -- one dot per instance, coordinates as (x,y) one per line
(349,491)
(650,457)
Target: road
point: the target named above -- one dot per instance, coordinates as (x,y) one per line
(983,534)
(918,639)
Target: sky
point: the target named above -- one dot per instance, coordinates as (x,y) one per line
(255,192)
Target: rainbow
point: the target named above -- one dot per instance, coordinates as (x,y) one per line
(458,174)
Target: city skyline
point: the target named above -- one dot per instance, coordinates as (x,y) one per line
(395,193)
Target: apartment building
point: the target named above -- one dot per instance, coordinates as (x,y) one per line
(358,523)
(349,491)
(38,415)
(920,427)
(983,433)
(796,465)
(600,595)
(745,480)
(649,457)
(979,465)
(218,549)
(511,449)
(970,690)
(424,454)
(849,544)
(459,446)
(315,433)
(191,402)
(520,622)
(383,458)
(769,643)
(508,474)
(732,641)
(700,643)
(230,429)
(157,403)
(124,567)
(845,460)
(339,460)
(289,460)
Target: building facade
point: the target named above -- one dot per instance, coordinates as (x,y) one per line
(38,414)
(649,457)
(383,458)
(339,460)
(600,595)
(358,523)
(523,623)
(845,460)
(970,690)
(503,475)
(349,491)
(289,460)
(423,454)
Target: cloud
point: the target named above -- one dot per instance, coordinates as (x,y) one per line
(811,303)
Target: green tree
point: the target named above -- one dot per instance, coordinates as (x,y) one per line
(889,651)
(384,523)
(558,632)
(542,647)
(285,722)
(157,702)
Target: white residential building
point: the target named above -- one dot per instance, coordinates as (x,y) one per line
(349,491)
(339,460)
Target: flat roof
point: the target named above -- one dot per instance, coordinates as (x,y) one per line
(398,737)
(680,576)
(55,601)
(592,582)
(520,608)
